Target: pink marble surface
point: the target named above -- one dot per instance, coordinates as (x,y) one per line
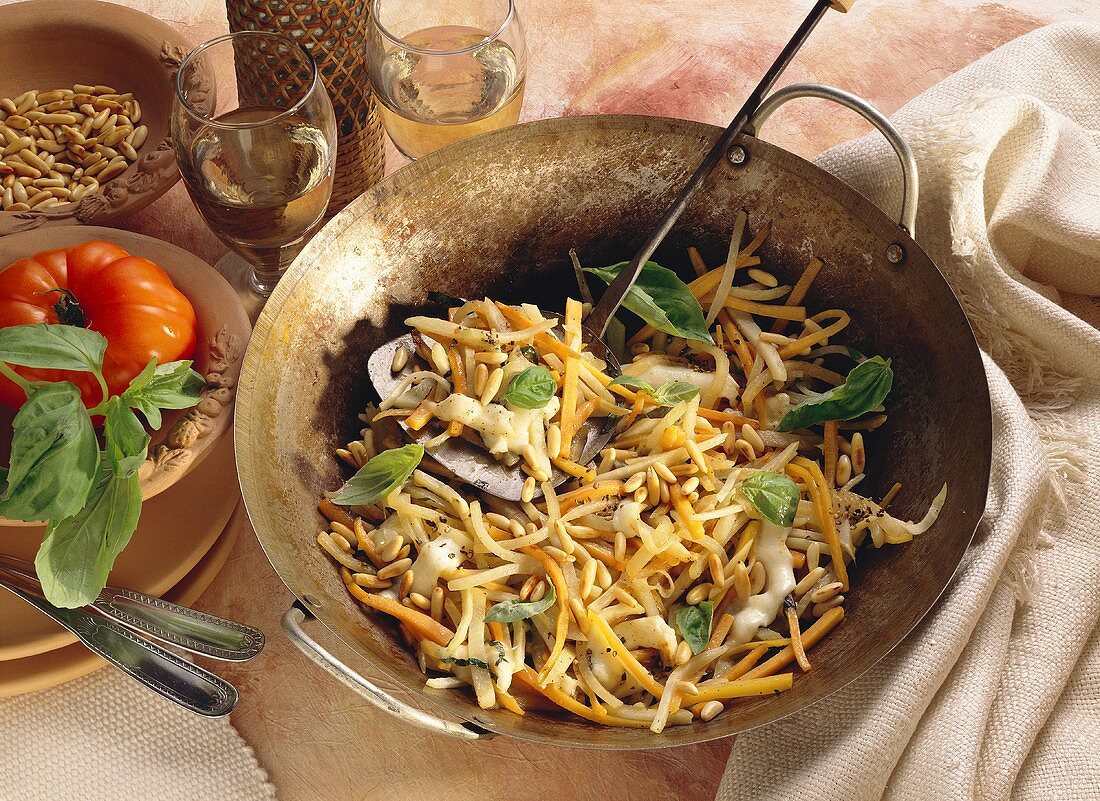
(664,57)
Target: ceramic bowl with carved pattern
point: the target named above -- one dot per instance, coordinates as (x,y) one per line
(50,45)
(186,437)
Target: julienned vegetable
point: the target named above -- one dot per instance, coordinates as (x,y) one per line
(98,286)
(379,477)
(661,299)
(865,388)
(89,495)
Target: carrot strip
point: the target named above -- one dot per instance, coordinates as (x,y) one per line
(569,390)
(810,637)
(803,344)
(808,471)
(528,677)
(604,489)
(335,513)
(801,287)
(831,447)
(747,662)
(635,410)
(721,629)
(798,559)
(687,514)
(796,640)
(574,469)
(724,417)
(418,623)
(561,627)
(458,373)
(740,688)
(890,495)
(584,411)
(419,418)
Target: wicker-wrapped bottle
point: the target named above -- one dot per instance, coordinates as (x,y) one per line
(335,33)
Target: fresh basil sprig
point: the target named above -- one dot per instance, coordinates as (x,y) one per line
(463,661)
(54,456)
(668,394)
(661,299)
(380,476)
(531,389)
(866,386)
(163,386)
(511,611)
(774,496)
(694,624)
(90,498)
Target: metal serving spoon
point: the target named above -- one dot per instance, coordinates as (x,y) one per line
(109,628)
(475,465)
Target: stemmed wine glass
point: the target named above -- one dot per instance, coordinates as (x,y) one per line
(445,70)
(259,167)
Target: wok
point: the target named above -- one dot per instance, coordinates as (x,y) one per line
(496,216)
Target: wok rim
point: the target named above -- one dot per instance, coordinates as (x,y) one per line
(858,205)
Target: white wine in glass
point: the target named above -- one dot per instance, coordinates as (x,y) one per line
(443,83)
(259,170)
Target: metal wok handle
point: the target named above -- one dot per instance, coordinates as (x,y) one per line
(910,181)
(292,626)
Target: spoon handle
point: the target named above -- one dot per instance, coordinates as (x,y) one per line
(194,631)
(612,297)
(171,676)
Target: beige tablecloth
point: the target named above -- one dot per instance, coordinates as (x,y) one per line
(997,694)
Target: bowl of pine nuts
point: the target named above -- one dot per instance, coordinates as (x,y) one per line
(85,95)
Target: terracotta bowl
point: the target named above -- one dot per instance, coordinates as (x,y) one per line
(186,437)
(52,45)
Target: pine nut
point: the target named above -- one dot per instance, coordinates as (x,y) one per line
(698,594)
(528,491)
(859,453)
(808,581)
(751,436)
(492,386)
(393,547)
(634,482)
(111,170)
(822,594)
(395,568)
(553,440)
(588,578)
(741,582)
(757,578)
(682,654)
(817,610)
(813,555)
(711,710)
(400,359)
(843,470)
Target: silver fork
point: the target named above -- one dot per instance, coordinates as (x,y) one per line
(109,628)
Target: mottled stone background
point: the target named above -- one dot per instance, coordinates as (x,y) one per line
(678,58)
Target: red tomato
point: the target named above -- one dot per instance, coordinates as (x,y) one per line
(98,285)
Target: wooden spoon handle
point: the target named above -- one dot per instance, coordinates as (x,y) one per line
(844,6)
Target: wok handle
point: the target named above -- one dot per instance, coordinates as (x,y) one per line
(910,180)
(293,622)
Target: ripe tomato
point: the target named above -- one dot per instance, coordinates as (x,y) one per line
(100,286)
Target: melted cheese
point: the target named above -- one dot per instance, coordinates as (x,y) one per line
(436,559)
(649,632)
(504,430)
(656,372)
(760,610)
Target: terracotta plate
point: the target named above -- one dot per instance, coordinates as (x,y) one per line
(18,676)
(186,437)
(176,530)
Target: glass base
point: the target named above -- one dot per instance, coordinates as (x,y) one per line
(242,278)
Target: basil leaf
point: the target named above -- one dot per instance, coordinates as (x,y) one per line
(661,299)
(126,442)
(866,386)
(694,624)
(530,354)
(854,354)
(57,347)
(633,382)
(773,495)
(386,472)
(77,552)
(163,386)
(462,661)
(511,611)
(531,389)
(674,392)
(54,456)
(501,653)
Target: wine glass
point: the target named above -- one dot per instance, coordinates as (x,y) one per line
(445,70)
(258,167)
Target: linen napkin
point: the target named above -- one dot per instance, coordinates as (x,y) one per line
(106,738)
(997,694)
